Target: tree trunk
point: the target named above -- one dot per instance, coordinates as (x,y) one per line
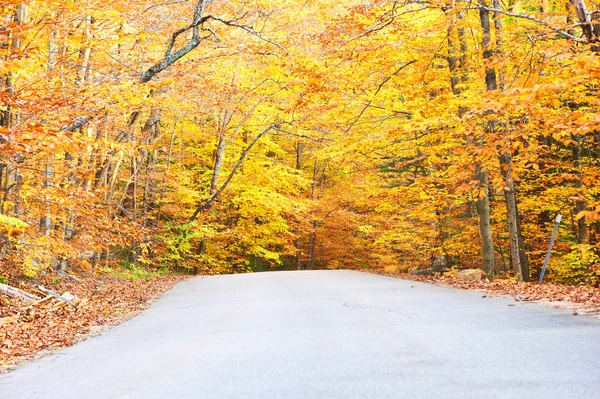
(522,252)
(486,41)
(299,147)
(463,64)
(451,21)
(219,154)
(313,194)
(483,202)
(498,27)
(582,230)
(46,223)
(518,256)
(585,19)
(485,230)
(516,250)
(312,246)
(298,255)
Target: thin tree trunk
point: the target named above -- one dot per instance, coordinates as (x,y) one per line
(517,252)
(483,202)
(585,19)
(312,245)
(298,257)
(299,147)
(526,272)
(167,170)
(498,27)
(207,204)
(463,63)
(582,230)
(486,46)
(518,255)
(315,179)
(9,118)
(485,230)
(451,21)
(46,223)
(219,154)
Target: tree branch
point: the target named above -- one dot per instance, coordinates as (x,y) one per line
(537,20)
(204,206)
(253,32)
(387,79)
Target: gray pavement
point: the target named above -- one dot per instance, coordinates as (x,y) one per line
(325,334)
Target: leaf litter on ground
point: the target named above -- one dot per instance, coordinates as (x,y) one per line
(29,329)
(579,299)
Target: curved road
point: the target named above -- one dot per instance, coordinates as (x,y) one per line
(325,334)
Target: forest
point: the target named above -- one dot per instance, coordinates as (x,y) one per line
(148,137)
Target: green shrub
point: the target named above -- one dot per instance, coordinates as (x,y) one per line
(576,267)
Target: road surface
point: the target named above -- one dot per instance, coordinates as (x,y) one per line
(325,334)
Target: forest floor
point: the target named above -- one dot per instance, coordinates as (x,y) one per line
(578,299)
(31,329)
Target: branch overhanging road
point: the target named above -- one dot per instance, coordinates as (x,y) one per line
(325,334)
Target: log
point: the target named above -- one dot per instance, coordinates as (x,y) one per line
(17,293)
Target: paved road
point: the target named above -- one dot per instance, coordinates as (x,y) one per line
(325,334)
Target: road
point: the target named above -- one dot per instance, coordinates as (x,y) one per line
(325,334)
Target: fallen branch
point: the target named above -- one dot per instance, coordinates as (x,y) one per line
(40,301)
(17,293)
(62,298)
(68,296)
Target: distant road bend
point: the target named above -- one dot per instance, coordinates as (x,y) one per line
(325,334)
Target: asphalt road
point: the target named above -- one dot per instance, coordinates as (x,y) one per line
(325,334)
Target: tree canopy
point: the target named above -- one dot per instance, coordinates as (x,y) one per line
(214,137)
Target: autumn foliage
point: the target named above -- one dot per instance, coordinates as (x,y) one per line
(215,137)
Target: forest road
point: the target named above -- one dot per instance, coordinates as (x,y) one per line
(325,334)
